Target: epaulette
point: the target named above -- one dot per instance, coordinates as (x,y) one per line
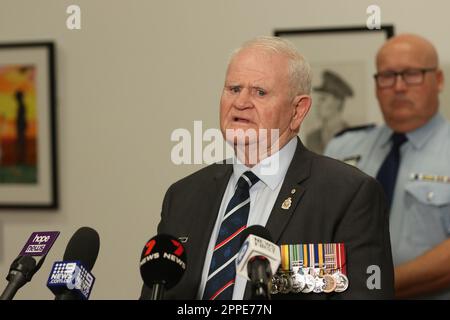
(355,128)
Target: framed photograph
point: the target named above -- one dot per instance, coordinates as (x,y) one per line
(28,157)
(343,87)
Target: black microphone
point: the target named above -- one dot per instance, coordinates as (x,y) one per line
(71,279)
(28,262)
(163,263)
(258,260)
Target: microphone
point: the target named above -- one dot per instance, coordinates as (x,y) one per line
(71,279)
(28,262)
(258,259)
(163,263)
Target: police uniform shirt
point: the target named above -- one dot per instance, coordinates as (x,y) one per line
(420,212)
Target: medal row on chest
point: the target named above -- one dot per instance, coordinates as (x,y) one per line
(307,268)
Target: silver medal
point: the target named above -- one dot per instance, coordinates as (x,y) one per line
(309,281)
(318,285)
(341,281)
(275,284)
(298,282)
(286,283)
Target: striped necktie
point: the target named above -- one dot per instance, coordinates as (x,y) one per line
(222,271)
(387,175)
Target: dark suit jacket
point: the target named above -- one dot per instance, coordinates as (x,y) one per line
(334,202)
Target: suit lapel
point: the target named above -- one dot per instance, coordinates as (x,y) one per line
(213,195)
(291,192)
(206,218)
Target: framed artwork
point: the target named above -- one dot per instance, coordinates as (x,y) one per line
(28,157)
(343,88)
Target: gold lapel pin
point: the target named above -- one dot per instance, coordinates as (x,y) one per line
(286,203)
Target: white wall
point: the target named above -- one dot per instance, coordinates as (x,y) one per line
(136,71)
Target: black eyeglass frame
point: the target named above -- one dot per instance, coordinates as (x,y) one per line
(402,74)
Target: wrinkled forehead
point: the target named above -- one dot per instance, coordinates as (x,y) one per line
(258,61)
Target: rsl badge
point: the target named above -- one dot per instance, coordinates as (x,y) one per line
(286,203)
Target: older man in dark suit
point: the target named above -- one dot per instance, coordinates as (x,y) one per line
(300,197)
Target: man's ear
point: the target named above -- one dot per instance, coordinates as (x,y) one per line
(440,79)
(301,104)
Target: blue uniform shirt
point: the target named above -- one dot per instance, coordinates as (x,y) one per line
(420,212)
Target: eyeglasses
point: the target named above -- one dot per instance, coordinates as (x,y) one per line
(410,77)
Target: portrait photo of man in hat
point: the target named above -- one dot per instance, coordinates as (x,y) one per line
(328,105)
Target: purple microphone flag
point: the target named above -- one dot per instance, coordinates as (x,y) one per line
(39,243)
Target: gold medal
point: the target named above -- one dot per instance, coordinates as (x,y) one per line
(329,283)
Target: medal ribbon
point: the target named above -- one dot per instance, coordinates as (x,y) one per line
(326,256)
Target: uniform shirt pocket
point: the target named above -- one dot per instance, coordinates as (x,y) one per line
(434,198)
(430,193)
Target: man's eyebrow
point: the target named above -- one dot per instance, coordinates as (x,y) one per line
(232,83)
(253,87)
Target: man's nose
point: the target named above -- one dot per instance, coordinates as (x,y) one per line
(243,100)
(400,84)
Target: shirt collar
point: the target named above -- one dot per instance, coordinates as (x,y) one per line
(263,170)
(421,135)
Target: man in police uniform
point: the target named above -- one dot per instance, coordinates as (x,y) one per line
(409,155)
(331,97)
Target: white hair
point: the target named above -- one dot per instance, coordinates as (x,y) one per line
(299,70)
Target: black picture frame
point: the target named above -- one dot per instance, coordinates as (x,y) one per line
(343,64)
(36,186)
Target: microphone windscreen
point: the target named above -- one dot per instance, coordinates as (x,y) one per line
(256,241)
(83,246)
(256,230)
(163,260)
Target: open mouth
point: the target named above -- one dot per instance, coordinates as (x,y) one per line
(240,120)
